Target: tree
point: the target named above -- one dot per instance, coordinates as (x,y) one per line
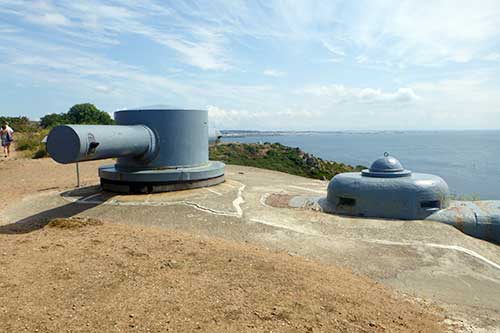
(78,114)
(53,119)
(88,114)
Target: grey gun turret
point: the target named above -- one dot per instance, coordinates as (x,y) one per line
(156,149)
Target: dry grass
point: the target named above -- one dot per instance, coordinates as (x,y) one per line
(73,223)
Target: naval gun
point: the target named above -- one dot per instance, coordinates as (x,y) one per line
(156,150)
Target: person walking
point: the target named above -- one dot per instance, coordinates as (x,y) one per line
(6,123)
(6,134)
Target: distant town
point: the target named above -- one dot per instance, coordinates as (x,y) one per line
(251,133)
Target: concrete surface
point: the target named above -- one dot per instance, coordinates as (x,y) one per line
(426,259)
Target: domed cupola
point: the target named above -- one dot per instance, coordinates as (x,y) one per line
(386,167)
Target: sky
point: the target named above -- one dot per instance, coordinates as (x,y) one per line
(265,65)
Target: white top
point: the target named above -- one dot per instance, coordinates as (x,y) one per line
(6,133)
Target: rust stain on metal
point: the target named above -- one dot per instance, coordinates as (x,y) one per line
(459,222)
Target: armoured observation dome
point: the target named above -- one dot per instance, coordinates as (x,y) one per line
(386,167)
(387,190)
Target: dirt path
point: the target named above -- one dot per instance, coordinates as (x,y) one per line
(80,275)
(24,176)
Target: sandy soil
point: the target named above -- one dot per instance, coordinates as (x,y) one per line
(24,176)
(90,275)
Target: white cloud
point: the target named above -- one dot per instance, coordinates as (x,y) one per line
(205,53)
(103,88)
(387,33)
(469,101)
(361,59)
(7,29)
(75,69)
(244,119)
(343,94)
(51,19)
(76,72)
(43,13)
(338,54)
(425,33)
(492,57)
(333,49)
(196,43)
(273,72)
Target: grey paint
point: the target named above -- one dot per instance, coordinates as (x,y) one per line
(386,167)
(211,169)
(74,143)
(479,219)
(387,190)
(141,139)
(213,135)
(152,146)
(182,136)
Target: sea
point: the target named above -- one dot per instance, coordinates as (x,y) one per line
(469,161)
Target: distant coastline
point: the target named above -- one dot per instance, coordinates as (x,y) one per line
(257,133)
(253,133)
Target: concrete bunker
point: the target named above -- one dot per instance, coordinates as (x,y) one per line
(387,190)
(157,150)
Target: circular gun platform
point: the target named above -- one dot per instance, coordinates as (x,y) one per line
(161,180)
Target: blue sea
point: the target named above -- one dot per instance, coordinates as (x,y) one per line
(469,161)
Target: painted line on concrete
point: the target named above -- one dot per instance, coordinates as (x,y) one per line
(263,199)
(307,189)
(210,210)
(386,242)
(467,251)
(213,191)
(166,203)
(87,199)
(440,246)
(288,227)
(239,200)
(317,181)
(236,203)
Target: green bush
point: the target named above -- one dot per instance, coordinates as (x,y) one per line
(278,157)
(20,124)
(31,143)
(41,152)
(85,113)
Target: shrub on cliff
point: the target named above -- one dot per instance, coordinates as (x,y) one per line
(280,158)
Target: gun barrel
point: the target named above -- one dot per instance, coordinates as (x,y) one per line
(213,135)
(74,143)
